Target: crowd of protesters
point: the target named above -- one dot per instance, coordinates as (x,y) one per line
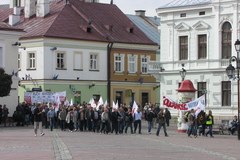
(84,117)
(201,123)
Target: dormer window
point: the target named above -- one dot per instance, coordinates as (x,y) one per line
(183,15)
(201,13)
(130,29)
(89,29)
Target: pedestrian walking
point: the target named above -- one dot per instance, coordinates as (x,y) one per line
(37,113)
(161,123)
(129,120)
(51,117)
(192,130)
(105,121)
(138,121)
(209,123)
(62,118)
(168,116)
(149,116)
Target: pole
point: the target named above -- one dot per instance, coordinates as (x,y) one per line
(109,48)
(238,68)
(238,126)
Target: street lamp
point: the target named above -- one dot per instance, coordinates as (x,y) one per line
(230,70)
(183,72)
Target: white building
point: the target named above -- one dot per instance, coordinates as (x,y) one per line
(8,61)
(200,34)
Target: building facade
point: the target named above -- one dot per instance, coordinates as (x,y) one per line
(72,46)
(8,61)
(199,36)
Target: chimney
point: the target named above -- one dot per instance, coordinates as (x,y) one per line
(30,8)
(16,3)
(43,8)
(15,17)
(12,3)
(140,13)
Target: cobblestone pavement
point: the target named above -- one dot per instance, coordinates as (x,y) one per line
(20,143)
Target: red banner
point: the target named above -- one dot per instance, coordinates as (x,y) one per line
(171,104)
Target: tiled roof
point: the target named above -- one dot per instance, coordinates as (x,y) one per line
(107,22)
(178,3)
(149,25)
(7,27)
(5,12)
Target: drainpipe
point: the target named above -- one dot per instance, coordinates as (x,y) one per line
(109,48)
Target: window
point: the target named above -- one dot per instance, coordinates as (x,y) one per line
(132,64)
(226,40)
(18,3)
(119,97)
(201,88)
(144,64)
(201,13)
(118,63)
(32,61)
(183,15)
(19,61)
(183,47)
(202,46)
(93,62)
(226,93)
(60,60)
(77,59)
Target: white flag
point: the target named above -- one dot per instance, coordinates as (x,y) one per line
(134,108)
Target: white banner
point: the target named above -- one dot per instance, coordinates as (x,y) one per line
(44,97)
(197,104)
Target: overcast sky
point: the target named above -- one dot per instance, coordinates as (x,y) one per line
(129,6)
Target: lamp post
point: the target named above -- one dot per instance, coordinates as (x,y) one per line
(230,70)
(183,73)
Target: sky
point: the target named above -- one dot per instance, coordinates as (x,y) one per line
(129,6)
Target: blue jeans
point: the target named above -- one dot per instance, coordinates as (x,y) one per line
(150,124)
(209,130)
(52,121)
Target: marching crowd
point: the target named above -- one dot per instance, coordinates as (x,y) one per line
(101,120)
(106,119)
(86,118)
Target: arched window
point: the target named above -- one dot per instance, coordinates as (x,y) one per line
(226,40)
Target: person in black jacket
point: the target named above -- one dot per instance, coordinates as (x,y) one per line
(38,119)
(167,116)
(115,117)
(150,115)
(129,120)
